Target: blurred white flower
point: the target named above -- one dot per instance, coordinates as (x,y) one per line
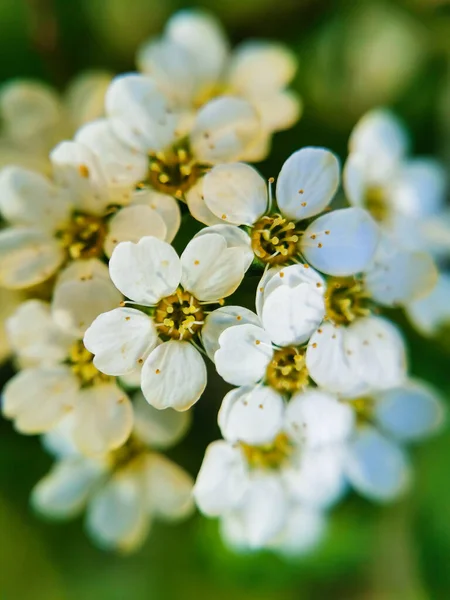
(58,375)
(192,63)
(406,196)
(35,117)
(122,491)
(278,468)
(171,295)
(341,242)
(376,463)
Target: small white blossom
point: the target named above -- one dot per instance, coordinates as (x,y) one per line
(77,214)
(405,195)
(269,473)
(122,491)
(191,63)
(58,377)
(172,292)
(341,242)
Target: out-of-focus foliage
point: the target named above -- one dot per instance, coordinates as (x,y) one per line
(353,56)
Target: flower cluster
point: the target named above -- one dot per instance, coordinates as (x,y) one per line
(112,329)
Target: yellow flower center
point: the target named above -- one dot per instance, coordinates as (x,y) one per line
(131,452)
(364,409)
(376,203)
(287,372)
(345,300)
(173,171)
(274,239)
(80,361)
(179,316)
(268,456)
(84,236)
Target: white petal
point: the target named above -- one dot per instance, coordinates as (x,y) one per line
(399,276)
(84,269)
(342,242)
(411,412)
(235,193)
(34,336)
(376,352)
(328,362)
(59,440)
(132,223)
(195,200)
(139,113)
(122,167)
(419,188)
(277,110)
(355,179)
(221,481)
(84,97)
(315,476)
(292,314)
(169,488)
(120,340)
(27,257)
(220,319)
(38,398)
(158,428)
(211,269)
(146,271)
(77,169)
(32,114)
(307,183)
(223,129)
(10,300)
(261,67)
(235,238)
(172,67)
(291,276)
(103,419)
(376,467)
(77,303)
(244,354)
(254,415)
(264,510)
(304,530)
(202,36)
(116,516)
(318,418)
(166,207)
(64,492)
(30,199)
(430,313)
(174,376)
(381,138)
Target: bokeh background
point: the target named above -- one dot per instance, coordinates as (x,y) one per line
(353,55)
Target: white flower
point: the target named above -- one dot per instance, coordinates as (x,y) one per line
(290,341)
(191,63)
(122,491)
(59,377)
(377,465)
(35,118)
(175,150)
(72,216)
(406,196)
(269,470)
(172,292)
(341,242)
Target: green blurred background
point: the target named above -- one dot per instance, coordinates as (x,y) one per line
(353,55)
